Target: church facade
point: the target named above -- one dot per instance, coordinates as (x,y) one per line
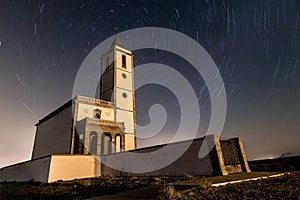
(87,125)
(72,141)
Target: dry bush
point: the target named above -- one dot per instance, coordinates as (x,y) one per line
(202,182)
(169,192)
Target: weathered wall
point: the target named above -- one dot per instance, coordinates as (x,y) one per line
(68,167)
(53,136)
(242,154)
(189,162)
(36,170)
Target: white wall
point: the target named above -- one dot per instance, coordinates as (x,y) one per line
(86,110)
(66,167)
(122,102)
(53,168)
(124,79)
(127,118)
(129,142)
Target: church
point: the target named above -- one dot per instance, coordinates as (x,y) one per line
(73,141)
(86,125)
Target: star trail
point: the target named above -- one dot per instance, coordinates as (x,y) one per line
(255,44)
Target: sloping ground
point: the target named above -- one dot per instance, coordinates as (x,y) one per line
(194,182)
(79,189)
(283,187)
(131,188)
(150,192)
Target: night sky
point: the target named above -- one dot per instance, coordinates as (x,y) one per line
(255,44)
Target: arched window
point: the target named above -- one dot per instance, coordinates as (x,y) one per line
(118,143)
(93,143)
(97,114)
(106,143)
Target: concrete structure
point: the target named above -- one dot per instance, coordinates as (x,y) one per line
(73,140)
(225,158)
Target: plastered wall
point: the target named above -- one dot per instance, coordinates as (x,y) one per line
(189,162)
(66,167)
(53,168)
(86,110)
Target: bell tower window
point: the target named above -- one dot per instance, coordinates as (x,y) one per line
(124,61)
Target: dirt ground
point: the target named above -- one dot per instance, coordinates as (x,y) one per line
(284,187)
(188,187)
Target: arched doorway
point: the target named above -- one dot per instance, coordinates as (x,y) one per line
(106,143)
(93,143)
(118,143)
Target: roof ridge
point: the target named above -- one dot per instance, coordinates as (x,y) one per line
(117,42)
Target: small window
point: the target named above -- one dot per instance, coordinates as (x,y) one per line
(124,61)
(124,95)
(124,76)
(97,116)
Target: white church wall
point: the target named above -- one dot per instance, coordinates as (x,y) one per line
(54,135)
(127,118)
(87,110)
(124,79)
(130,142)
(124,99)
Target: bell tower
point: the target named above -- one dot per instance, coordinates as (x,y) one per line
(117,86)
